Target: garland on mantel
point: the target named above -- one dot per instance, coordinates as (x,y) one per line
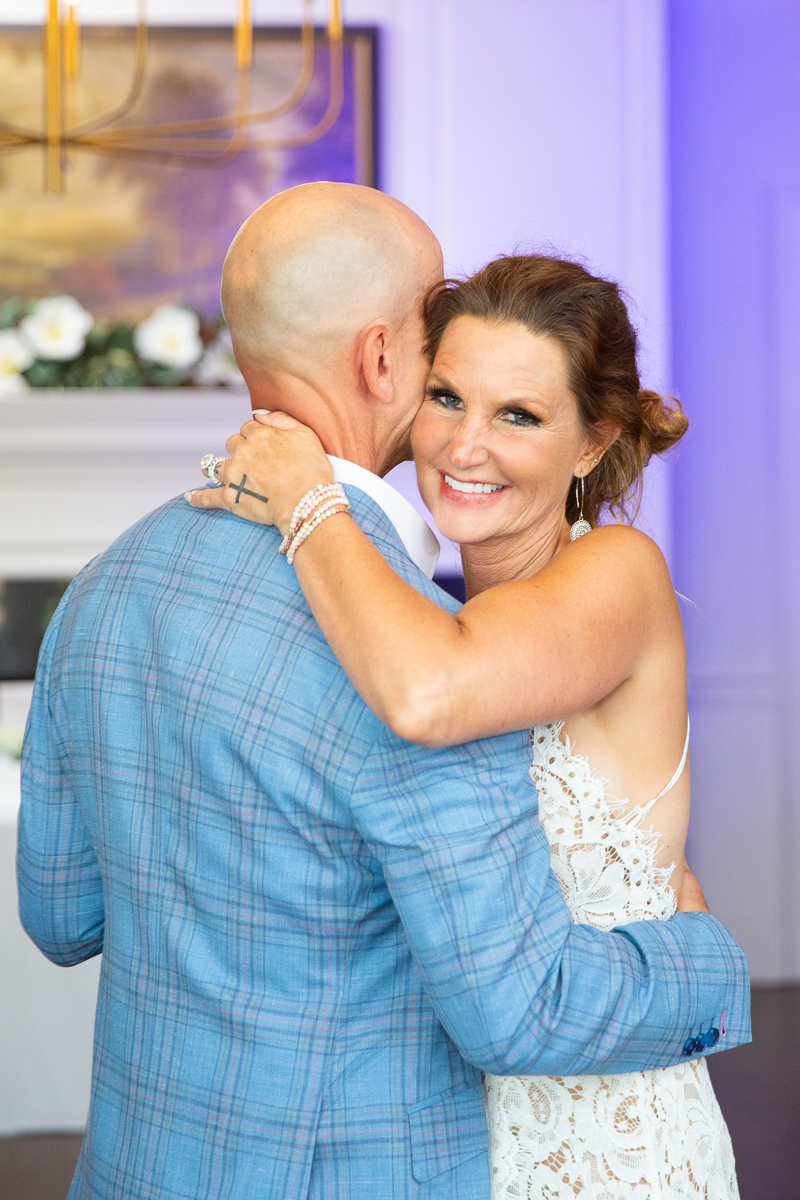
(55,342)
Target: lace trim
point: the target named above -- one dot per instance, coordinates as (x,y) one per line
(604,862)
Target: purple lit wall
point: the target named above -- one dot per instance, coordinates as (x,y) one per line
(735,179)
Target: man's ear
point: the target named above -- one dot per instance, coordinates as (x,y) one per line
(377,362)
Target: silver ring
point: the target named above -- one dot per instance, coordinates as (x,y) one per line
(209,465)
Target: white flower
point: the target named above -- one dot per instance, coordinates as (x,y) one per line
(13,383)
(57,328)
(218,366)
(170,336)
(14,358)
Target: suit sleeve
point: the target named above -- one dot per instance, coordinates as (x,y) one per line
(58,876)
(520,989)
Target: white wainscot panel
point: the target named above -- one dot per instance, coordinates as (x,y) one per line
(46,1012)
(46,1019)
(736,834)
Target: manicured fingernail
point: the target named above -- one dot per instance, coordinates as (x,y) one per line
(188,496)
(261,412)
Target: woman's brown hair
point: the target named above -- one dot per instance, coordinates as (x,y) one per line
(557,298)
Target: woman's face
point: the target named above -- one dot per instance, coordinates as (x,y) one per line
(497,441)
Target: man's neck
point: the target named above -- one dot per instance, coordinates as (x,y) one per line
(345,424)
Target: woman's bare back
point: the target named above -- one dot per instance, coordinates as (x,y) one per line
(637,736)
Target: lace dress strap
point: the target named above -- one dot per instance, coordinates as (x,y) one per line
(645,808)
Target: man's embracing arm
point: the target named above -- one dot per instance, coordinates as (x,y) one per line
(58,876)
(519,988)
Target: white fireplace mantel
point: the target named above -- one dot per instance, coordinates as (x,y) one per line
(77,467)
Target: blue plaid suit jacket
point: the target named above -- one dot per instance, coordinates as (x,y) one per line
(314,934)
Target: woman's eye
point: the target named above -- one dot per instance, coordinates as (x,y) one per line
(520,418)
(445,399)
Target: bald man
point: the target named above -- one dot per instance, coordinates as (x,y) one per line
(314,935)
(322,291)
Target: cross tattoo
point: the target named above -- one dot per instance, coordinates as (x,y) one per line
(239,488)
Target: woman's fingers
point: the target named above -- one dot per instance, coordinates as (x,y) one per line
(275,418)
(240,494)
(271,421)
(207,498)
(235,440)
(691,898)
(223,472)
(252,429)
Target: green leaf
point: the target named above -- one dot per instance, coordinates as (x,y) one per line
(98,336)
(121,337)
(156,376)
(44,373)
(12,311)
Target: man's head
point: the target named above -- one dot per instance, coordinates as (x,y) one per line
(322,290)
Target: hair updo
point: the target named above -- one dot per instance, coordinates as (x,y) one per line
(559,299)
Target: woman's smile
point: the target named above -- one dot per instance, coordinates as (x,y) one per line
(462,491)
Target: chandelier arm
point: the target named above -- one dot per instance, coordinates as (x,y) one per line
(239,135)
(8,147)
(163,154)
(330,117)
(155,146)
(212,124)
(199,152)
(30,135)
(304,79)
(210,147)
(140,64)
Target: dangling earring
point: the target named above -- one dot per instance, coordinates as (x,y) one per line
(581,526)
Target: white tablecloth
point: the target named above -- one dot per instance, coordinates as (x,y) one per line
(46,1012)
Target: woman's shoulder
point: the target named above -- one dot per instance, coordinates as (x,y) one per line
(621,545)
(622,559)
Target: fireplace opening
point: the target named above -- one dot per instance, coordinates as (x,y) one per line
(26,607)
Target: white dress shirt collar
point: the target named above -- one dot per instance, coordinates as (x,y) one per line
(421,545)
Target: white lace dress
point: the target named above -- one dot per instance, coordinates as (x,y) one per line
(649,1135)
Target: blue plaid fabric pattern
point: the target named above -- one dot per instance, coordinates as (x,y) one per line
(314,934)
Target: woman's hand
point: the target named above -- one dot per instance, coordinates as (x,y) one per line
(273,462)
(691,898)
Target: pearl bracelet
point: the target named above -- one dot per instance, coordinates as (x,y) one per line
(307,505)
(327,510)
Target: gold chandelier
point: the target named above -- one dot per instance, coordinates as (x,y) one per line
(191,142)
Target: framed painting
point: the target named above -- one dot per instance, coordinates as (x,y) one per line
(131,231)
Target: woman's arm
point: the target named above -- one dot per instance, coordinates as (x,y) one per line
(515,656)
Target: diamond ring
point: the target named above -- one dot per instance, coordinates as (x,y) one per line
(209,465)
